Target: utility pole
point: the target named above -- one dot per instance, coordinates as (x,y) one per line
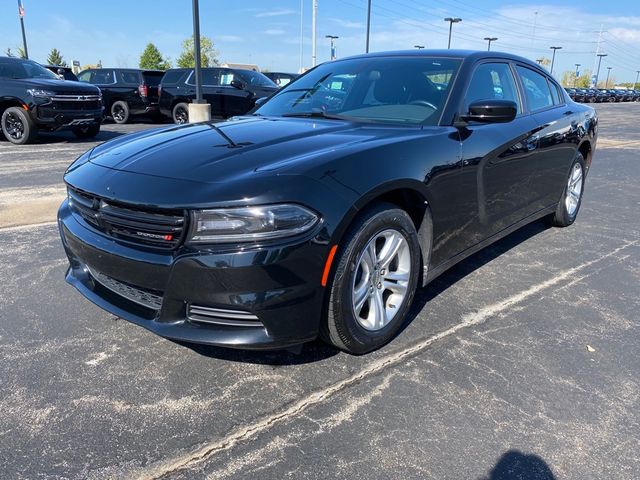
(314,20)
(490,39)
(368,25)
(451,22)
(634,83)
(575,80)
(535,21)
(553,58)
(333,48)
(24,35)
(600,55)
(595,60)
(606,84)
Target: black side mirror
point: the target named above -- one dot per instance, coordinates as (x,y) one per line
(61,71)
(490,111)
(237,84)
(260,101)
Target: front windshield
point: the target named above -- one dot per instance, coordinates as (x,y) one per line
(407,90)
(24,69)
(256,79)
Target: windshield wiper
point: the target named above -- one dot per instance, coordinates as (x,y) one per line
(314,114)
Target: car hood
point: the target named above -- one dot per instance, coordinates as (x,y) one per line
(60,86)
(248,146)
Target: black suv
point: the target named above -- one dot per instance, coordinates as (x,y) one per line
(229,91)
(63,73)
(126,91)
(32,98)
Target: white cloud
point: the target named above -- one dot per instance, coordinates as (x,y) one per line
(275,13)
(347,23)
(229,38)
(274,31)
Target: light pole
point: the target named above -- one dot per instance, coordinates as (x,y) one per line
(553,58)
(199,110)
(368,25)
(333,48)
(419,47)
(540,60)
(600,55)
(314,22)
(606,84)
(490,39)
(634,83)
(451,22)
(575,80)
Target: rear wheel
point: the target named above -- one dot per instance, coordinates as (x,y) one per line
(89,131)
(374,282)
(181,113)
(18,127)
(569,204)
(120,112)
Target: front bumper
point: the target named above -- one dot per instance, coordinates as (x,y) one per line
(280,285)
(54,120)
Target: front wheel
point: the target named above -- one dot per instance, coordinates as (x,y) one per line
(374,282)
(18,127)
(569,204)
(89,131)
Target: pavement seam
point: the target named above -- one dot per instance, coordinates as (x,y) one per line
(293,410)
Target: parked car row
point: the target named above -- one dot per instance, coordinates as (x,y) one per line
(601,95)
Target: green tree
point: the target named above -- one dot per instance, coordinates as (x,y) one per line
(21,53)
(569,79)
(55,58)
(208,54)
(152,59)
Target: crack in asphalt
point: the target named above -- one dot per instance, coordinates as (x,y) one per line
(163,469)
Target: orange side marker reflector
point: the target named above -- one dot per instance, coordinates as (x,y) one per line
(25,106)
(327,266)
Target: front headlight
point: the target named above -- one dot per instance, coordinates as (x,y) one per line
(37,92)
(246,224)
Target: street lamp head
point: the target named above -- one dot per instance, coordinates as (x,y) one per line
(333,37)
(556,48)
(602,54)
(419,47)
(453,20)
(491,39)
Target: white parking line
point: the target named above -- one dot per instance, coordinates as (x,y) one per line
(315,398)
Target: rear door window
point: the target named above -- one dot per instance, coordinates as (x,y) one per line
(130,77)
(172,76)
(85,77)
(536,89)
(102,77)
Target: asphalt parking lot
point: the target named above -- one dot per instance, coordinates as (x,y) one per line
(520,362)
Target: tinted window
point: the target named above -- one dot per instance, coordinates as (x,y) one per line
(408,90)
(172,76)
(152,78)
(102,77)
(536,89)
(554,94)
(130,77)
(492,81)
(226,77)
(23,69)
(210,76)
(255,79)
(84,76)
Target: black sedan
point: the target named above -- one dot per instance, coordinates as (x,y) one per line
(322,211)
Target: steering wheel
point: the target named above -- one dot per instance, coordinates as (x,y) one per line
(423,103)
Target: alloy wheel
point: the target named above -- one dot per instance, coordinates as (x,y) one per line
(118,113)
(182,116)
(381,279)
(13,126)
(574,190)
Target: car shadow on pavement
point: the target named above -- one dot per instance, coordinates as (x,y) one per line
(317,350)
(517,465)
(471,264)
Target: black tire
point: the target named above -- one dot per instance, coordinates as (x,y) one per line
(18,127)
(120,112)
(89,131)
(180,113)
(342,329)
(564,216)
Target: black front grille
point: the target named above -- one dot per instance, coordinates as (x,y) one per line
(158,229)
(57,105)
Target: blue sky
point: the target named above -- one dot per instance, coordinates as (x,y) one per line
(267,32)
